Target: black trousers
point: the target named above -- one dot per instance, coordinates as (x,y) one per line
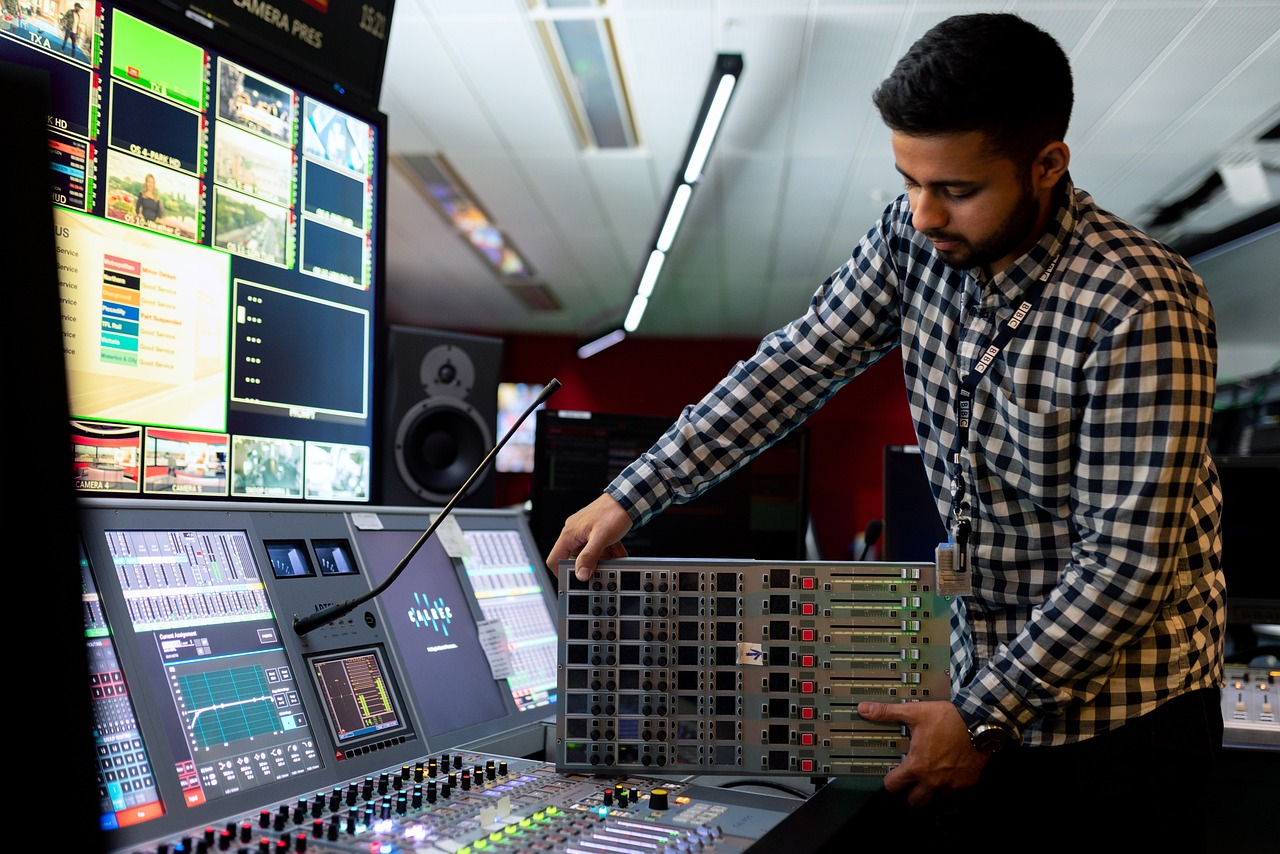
(1146,786)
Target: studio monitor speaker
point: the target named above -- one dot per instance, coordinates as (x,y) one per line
(442,410)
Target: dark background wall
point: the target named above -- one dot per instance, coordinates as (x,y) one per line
(658,376)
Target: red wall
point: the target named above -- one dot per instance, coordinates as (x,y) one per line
(654,376)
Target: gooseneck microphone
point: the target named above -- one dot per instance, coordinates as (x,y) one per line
(302,625)
(869,538)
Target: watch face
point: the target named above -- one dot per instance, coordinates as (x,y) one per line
(988,737)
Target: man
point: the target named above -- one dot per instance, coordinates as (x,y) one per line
(71,27)
(1060,370)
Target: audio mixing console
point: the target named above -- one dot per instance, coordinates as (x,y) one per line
(1249,713)
(729,666)
(467,802)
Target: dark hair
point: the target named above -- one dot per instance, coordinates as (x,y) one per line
(990,72)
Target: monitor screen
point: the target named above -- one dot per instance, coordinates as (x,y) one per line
(513,595)
(471,616)
(912,525)
(760,512)
(217,229)
(513,399)
(359,694)
(1250,485)
(210,643)
(127,786)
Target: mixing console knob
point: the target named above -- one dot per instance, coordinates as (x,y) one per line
(444,761)
(351,821)
(335,798)
(317,806)
(608,797)
(402,803)
(224,840)
(384,810)
(246,832)
(417,773)
(367,791)
(433,768)
(264,820)
(447,789)
(466,780)
(658,799)
(622,797)
(300,843)
(351,794)
(332,835)
(317,828)
(453,779)
(502,767)
(382,783)
(431,791)
(417,797)
(489,770)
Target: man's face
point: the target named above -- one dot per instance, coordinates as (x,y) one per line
(979,210)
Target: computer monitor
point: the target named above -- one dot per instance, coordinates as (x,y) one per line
(912,525)
(759,512)
(218,214)
(1250,488)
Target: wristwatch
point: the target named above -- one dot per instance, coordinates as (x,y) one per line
(989,737)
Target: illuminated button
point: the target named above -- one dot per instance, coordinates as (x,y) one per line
(808,583)
(807,686)
(806,661)
(807,634)
(806,765)
(806,609)
(806,738)
(806,713)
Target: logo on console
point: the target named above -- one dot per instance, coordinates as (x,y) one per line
(432,614)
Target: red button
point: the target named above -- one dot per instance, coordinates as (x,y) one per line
(806,686)
(806,634)
(806,738)
(806,609)
(806,764)
(806,661)
(806,712)
(808,584)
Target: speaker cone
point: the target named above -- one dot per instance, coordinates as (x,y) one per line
(439,443)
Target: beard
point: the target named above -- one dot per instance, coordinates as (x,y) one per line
(1014,231)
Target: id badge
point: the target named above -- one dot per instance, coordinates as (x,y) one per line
(952,560)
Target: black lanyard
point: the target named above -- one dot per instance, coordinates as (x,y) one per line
(964,405)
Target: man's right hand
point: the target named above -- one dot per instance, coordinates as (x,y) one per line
(591,535)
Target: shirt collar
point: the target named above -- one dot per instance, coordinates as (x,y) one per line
(1012,282)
